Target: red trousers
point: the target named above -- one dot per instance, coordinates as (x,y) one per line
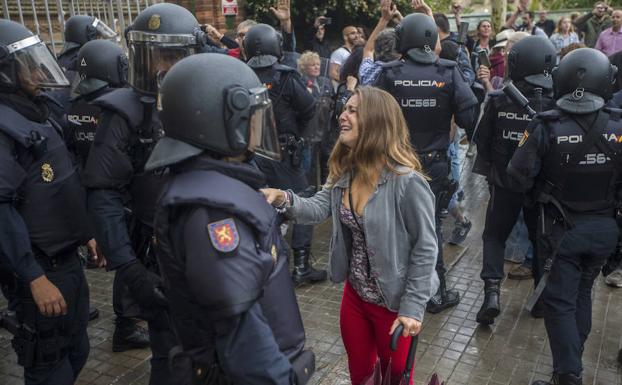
(365,332)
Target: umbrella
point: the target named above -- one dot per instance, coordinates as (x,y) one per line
(410,360)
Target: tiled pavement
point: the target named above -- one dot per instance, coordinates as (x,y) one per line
(513,351)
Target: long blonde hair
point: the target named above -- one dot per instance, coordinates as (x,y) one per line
(383,139)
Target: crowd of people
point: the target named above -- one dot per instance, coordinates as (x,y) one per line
(182,166)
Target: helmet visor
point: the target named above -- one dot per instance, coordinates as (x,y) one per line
(36,66)
(264,140)
(103,30)
(151,56)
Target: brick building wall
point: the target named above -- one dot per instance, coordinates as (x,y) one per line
(210,12)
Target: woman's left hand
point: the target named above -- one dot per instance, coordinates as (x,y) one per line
(412,327)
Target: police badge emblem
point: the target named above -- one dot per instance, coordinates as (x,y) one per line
(154,22)
(47,173)
(224,235)
(523,139)
(274,254)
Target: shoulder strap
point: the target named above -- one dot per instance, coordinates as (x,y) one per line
(15,125)
(220,191)
(593,137)
(282,82)
(125,102)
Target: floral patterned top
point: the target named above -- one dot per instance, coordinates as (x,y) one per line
(359,275)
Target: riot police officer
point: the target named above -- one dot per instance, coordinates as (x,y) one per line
(294,107)
(79,29)
(219,244)
(43,216)
(571,161)
(121,194)
(102,67)
(430,91)
(530,62)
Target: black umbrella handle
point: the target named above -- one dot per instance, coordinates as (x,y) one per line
(410,361)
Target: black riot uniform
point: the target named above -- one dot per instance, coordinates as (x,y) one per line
(218,241)
(102,66)
(294,107)
(571,162)
(497,135)
(430,91)
(42,214)
(121,194)
(79,29)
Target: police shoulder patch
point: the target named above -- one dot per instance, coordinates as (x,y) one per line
(224,235)
(523,139)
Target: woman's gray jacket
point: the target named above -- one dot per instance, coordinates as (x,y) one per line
(398,221)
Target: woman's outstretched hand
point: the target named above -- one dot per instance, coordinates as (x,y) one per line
(274,196)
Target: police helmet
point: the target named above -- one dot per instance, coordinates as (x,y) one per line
(82,28)
(161,35)
(25,61)
(228,114)
(263,46)
(583,81)
(417,35)
(532,59)
(101,63)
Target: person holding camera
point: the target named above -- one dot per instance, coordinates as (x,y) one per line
(593,23)
(315,40)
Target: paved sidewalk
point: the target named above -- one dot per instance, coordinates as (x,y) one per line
(513,351)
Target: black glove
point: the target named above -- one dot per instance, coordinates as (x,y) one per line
(145,286)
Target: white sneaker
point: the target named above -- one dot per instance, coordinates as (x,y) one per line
(614,279)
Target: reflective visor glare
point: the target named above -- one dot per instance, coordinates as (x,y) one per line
(150,62)
(103,30)
(38,67)
(264,140)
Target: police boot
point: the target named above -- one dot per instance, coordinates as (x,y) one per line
(129,335)
(561,379)
(443,298)
(303,271)
(490,307)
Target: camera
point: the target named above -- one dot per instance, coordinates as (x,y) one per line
(326,20)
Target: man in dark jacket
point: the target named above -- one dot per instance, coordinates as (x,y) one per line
(294,107)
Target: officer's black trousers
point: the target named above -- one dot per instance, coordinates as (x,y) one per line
(64,334)
(283,175)
(123,303)
(568,293)
(438,173)
(503,209)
